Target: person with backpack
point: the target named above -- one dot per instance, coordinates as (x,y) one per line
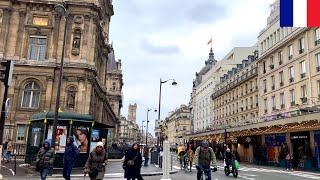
(45,159)
(4,149)
(96,162)
(204,157)
(9,150)
(70,155)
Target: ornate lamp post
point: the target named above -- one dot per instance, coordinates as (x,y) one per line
(61,10)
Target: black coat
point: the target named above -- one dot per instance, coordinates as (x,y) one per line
(135,170)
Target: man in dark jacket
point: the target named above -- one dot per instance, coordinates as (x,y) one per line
(45,159)
(70,155)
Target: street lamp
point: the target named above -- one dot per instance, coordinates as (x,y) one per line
(60,10)
(155,110)
(174,83)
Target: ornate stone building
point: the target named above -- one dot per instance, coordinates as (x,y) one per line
(114,87)
(32,36)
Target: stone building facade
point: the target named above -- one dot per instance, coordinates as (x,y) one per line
(32,36)
(178,124)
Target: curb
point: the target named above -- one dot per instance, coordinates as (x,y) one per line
(114,160)
(112,175)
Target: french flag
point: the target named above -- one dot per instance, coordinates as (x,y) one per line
(299,13)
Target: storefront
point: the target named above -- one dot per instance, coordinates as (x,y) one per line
(301,149)
(274,144)
(317,146)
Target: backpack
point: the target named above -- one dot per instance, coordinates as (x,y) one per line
(209,152)
(5,145)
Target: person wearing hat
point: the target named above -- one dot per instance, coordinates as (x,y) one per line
(203,158)
(132,163)
(45,159)
(96,162)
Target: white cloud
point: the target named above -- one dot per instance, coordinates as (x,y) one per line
(142,29)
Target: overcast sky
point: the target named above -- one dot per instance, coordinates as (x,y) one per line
(168,39)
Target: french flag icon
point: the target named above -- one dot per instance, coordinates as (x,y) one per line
(300,13)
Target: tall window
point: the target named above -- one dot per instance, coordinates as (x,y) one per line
(21,133)
(31,95)
(281,78)
(290,52)
(273,102)
(265,105)
(265,86)
(292,97)
(291,74)
(303,69)
(318,61)
(280,57)
(264,67)
(37,48)
(40,20)
(304,91)
(257,100)
(282,100)
(273,82)
(317,41)
(301,45)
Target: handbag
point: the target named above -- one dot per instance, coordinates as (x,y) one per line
(131,162)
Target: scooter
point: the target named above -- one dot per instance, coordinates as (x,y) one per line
(233,169)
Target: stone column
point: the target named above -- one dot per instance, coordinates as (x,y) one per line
(288,141)
(166,160)
(4,30)
(22,17)
(56,31)
(84,51)
(250,153)
(69,35)
(81,94)
(48,93)
(86,104)
(311,134)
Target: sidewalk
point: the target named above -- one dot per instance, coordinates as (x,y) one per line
(113,170)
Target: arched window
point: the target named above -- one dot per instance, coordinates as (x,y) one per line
(31,95)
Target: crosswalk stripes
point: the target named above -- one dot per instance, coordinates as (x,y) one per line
(302,174)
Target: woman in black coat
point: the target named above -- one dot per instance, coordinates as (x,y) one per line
(132,163)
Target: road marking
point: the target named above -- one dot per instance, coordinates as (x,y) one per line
(8,169)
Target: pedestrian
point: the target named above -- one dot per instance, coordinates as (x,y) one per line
(45,159)
(96,162)
(70,155)
(4,149)
(289,161)
(146,155)
(9,150)
(161,157)
(132,163)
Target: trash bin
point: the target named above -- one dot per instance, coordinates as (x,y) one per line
(154,157)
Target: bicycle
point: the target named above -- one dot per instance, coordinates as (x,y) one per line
(204,174)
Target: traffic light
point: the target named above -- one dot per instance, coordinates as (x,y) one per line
(6,69)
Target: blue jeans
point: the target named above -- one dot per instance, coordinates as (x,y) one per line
(289,164)
(67,168)
(8,155)
(146,162)
(199,173)
(44,173)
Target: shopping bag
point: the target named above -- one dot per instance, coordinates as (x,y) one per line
(236,164)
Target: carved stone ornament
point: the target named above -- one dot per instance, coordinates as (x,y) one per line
(78,19)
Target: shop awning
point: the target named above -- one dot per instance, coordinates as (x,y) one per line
(310,109)
(67,116)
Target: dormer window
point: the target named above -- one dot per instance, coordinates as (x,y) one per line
(40,20)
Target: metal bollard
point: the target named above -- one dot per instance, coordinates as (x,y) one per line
(166,156)
(171,161)
(15,163)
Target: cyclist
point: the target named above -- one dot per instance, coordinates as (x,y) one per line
(229,157)
(203,158)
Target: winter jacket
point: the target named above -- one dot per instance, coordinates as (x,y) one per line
(9,146)
(132,171)
(71,152)
(46,156)
(96,160)
(197,159)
